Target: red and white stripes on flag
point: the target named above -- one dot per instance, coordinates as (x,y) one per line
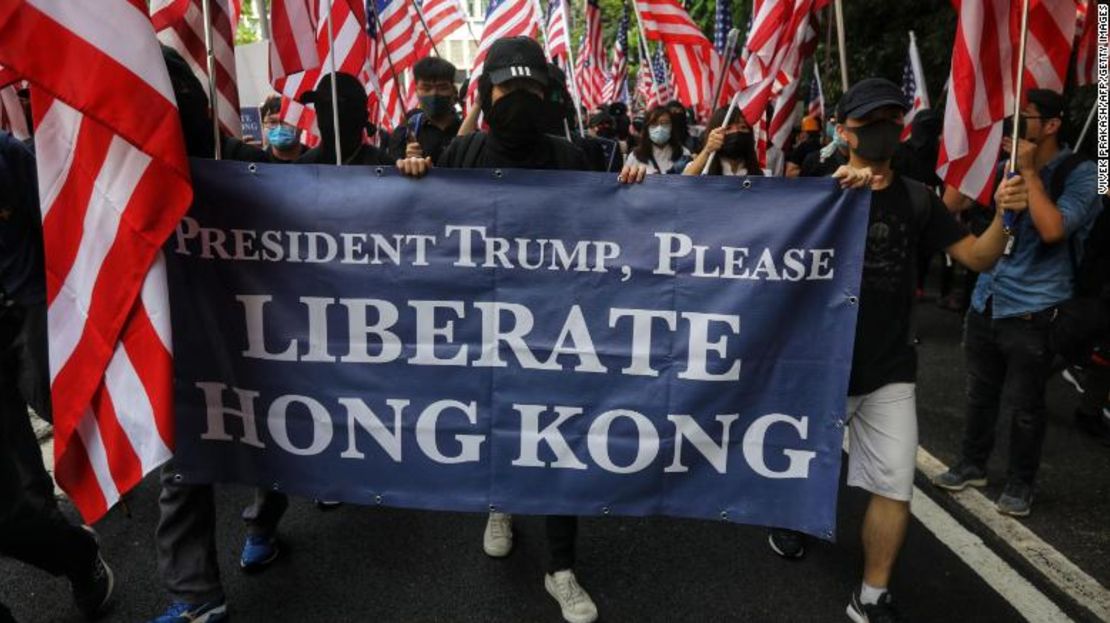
(590,64)
(292,38)
(689,51)
(800,47)
(114,182)
(774,49)
(557,44)
(504,18)
(1086,44)
(980,95)
(918,95)
(180,25)
(1048,47)
(393,44)
(442,17)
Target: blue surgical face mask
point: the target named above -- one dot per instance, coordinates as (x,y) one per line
(281,137)
(830,131)
(660,134)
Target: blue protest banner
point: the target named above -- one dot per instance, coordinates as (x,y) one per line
(535,342)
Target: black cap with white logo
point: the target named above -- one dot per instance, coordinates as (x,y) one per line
(516,57)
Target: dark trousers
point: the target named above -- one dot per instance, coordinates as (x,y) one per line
(562,530)
(186,540)
(265,512)
(1008,364)
(31,528)
(1096,384)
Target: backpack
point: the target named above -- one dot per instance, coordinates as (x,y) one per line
(1081,322)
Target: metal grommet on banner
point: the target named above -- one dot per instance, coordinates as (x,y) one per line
(178,478)
(276,487)
(377,499)
(853,299)
(604,510)
(724,515)
(829,533)
(252,168)
(379,171)
(492,508)
(746,184)
(498,173)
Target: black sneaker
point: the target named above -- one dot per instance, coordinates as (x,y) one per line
(1016,499)
(1094,424)
(787,543)
(92,591)
(960,477)
(881,612)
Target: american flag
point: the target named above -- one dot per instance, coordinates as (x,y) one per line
(113,183)
(556,44)
(1086,44)
(913,86)
(816,106)
(798,48)
(722,24)
(774,51)
(616,89)
(443,17)
(645,87)
(1048,47)
(395,46)
(980,95)
(180,25)
(688,49)
(504,18)
(292,38)
(662,78)
(590,70)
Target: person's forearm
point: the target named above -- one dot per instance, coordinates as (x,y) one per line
(697,165)
(470,123)
(989,246)
(1047,219)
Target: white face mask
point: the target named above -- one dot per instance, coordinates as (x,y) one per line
(660,134)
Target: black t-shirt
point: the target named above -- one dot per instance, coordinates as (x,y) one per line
(481,150)
(813,166)
(433,141)
(799,153)
(896,235)
(22,277)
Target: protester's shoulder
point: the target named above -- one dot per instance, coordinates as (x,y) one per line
(312,156)
(567,155)
(453,156)
(235,149)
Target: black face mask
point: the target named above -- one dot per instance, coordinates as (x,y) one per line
(515,119)
(436,106)
(737,145)
(877,141)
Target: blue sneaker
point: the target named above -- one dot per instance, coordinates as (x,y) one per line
(211,612)
(258,552)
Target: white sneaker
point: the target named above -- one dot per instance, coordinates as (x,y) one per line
(498,539)
(574,601)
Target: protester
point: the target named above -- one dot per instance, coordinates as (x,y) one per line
(808,141)
(905,219)
(734,145)
(186,534)
(353,123)
(662,152)
(601,124)
(279,139)
(619,112)
(601,150)
(431,128)
(512,91)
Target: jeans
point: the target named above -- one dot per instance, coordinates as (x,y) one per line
(1008,364)
(186,540)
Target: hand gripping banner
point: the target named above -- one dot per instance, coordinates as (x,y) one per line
(527,341)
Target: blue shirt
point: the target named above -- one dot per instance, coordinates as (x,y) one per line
(1037,276)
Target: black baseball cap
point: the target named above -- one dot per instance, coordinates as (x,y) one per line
(1049,103)
(868,95)
(347,88)
(516,57)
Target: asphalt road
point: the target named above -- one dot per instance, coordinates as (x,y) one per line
(363,564)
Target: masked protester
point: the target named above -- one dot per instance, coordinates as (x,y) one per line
(279,139)
(602,154)
(430,129)
(353,123)
(734,145)
(514,96)
(1015,304)
(661,147)
(808,142)
(905,219)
